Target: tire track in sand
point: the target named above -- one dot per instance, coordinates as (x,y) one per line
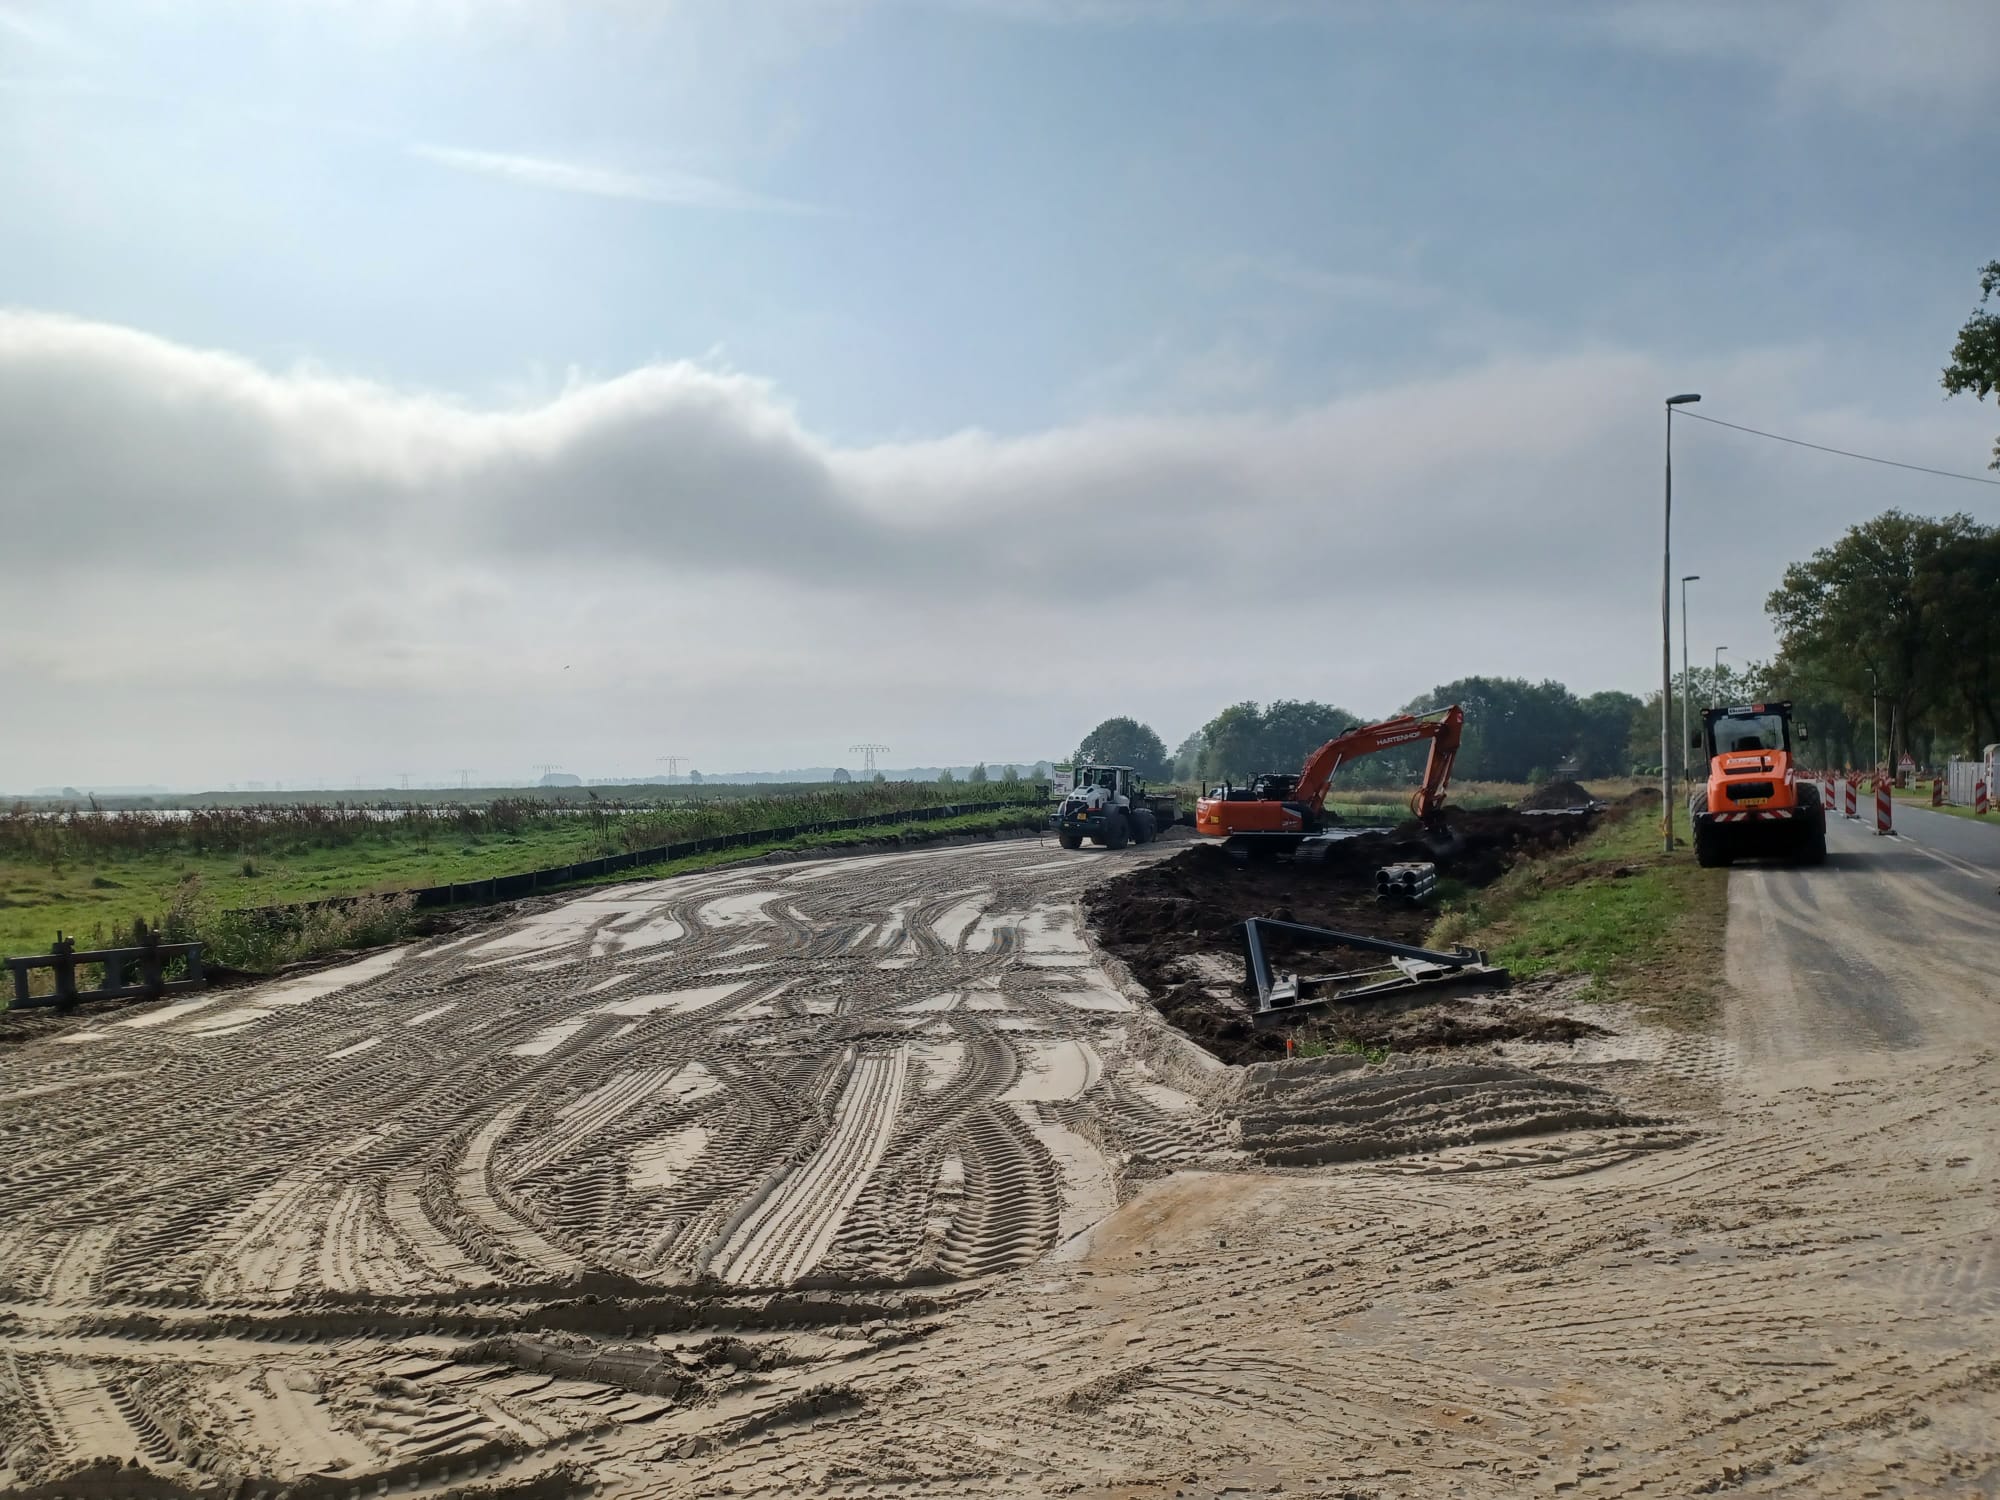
(785,1236)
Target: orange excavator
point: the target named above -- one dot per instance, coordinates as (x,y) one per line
(1279,812)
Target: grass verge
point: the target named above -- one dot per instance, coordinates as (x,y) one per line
(1640,924)
(1922,799)
(192,911)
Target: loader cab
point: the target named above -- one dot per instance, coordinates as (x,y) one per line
(1747,729)
(1751,802)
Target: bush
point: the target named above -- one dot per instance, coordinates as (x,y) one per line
(259,941)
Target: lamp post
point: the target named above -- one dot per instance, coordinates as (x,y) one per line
(1874,721)
(1667,633)
(1687,765)
(1715,677)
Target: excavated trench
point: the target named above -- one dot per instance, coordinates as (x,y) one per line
(1176,925)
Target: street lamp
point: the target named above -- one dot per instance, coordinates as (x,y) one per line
(1667,633)
(1687,764)
(1874,721)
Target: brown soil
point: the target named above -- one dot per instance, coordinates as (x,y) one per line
(1451,1023)
(1176,925)
(1551,795)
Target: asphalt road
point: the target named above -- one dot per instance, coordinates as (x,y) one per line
(1891,947)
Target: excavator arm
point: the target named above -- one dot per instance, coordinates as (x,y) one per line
(1443,728)
(1301,808)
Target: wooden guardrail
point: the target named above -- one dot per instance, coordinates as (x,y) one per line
(128,972)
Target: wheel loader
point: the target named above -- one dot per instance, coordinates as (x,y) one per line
(1754,802)
(1110,805)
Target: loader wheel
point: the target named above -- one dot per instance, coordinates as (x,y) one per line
(1144,828)
(1812,845)
(1070,840)
(1708,850)
(1117,832)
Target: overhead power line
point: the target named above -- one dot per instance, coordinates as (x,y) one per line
(1867,458)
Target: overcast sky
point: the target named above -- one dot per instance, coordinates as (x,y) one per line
(419,385)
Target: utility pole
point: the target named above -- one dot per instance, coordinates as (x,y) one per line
(868,751)
(1874,721)
(1715,678)
(673,765)
(1667,632)
(1687,743)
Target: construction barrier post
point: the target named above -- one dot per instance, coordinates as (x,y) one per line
(1884,814)
(1937,791)
(1853,797)
(1979,798)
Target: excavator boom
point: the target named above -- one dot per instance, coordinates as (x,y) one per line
(1299,807)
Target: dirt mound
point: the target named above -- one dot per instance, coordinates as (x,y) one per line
(1450,1023)
(1554,795)
(1175,924)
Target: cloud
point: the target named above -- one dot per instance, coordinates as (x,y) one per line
(312,568)
(1875,54)
(685,189)
(39,32)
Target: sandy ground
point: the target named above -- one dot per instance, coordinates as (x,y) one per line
(865,1178)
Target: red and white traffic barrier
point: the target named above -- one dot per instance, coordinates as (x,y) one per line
(1937,791)
(1884,814)
(1979,798)
(1853,797)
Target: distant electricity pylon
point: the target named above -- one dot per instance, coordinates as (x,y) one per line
(547,768)
(406,781)
(673,765)
(464,779)
(868,752)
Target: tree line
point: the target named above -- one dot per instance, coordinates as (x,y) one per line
(1895,625)
(1515,730)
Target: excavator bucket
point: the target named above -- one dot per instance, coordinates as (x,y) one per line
(1443,841)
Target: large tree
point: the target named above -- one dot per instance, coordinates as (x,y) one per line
(1604,724)
(1958,592)
(1126,742)
(1294,729)
(1853,615)
(1975,358)
(1245,739)
(1515,730)
(1187,759)
(1233,743)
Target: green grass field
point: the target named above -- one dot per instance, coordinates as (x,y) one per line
(1921,797)
(86,897)
(1640,924)
(90,885)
